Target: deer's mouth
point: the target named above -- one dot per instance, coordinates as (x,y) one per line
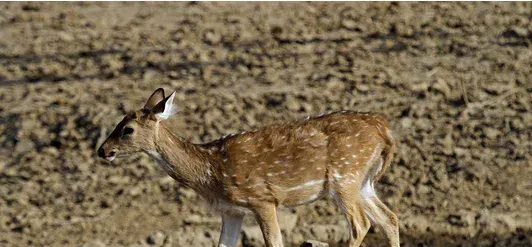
(111,156)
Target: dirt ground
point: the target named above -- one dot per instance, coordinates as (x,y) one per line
(454,80)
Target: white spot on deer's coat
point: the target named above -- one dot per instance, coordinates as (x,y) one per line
(350,181)
(254,186)
(269,174)
(242,201)
(337,175)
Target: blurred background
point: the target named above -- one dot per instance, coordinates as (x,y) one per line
(454,80)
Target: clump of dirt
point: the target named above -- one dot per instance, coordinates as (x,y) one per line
(452,78)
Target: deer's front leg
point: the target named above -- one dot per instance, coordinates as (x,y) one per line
(267,218)
(231,225)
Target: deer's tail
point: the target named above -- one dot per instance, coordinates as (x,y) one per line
(387,152)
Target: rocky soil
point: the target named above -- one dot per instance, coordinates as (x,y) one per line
(454,79)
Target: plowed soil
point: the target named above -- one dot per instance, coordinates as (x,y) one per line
(454,80)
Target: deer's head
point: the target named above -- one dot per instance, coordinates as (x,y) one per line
(136,132)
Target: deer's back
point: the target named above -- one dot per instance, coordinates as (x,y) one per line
(293,162)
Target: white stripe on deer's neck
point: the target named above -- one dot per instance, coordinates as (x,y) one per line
(162,162)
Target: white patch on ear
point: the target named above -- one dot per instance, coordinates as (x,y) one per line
(169,108)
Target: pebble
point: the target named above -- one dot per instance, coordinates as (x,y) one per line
(448,145)
(156,238)
(442,87)
(491,133)
(406,122)
(349,24)
(94,243)
(362,87)
(313,243)
(67,37)
(24,146)
(212,37)
(135,191)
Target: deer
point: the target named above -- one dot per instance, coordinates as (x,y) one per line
(281,165)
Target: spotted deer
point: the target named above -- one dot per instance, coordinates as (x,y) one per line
(342,154)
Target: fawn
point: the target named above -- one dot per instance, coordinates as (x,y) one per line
(341,153)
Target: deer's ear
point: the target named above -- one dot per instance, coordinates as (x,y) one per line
(154,99)
(166,108)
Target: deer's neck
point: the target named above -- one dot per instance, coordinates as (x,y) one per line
(185,162)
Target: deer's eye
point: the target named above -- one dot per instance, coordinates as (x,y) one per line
(127,131)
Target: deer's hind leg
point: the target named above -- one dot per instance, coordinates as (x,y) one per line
(380,215)
(348,199)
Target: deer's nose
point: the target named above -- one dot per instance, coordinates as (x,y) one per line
(101,152)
